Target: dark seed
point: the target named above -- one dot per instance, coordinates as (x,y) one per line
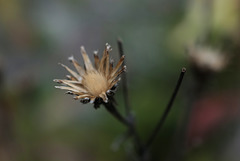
(69,92)
(114,87)
(98,100)
(110,93)
(85,100)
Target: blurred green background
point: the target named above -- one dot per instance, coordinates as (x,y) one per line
(40,123)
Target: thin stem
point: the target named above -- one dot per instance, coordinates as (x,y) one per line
(111,108)
(138,144)
(131,127)
(124,79)
(166,112)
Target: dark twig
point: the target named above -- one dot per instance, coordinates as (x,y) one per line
(111,108)
(131,127)
(124,80)
(130,118)
(168,108)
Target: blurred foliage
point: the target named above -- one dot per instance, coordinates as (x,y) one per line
(40,123)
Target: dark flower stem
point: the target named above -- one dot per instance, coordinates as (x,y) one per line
(124,79)
(130,124)
(141,149)
(111,108)
(166,112)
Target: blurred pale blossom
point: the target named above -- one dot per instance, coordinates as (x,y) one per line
(207,58)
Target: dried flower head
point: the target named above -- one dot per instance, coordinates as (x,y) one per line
(207,59)
(92,84)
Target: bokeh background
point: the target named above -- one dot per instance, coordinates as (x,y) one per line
(40,123)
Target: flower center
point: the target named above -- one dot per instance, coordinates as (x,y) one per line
(95,83)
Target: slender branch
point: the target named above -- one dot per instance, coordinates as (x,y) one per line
(131,127)
(111,108)
(124,79)
(166,112)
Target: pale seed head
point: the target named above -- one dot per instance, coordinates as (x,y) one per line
(94,84)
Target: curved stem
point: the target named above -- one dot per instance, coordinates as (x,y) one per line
(111,108)
(166,112)
(130,124)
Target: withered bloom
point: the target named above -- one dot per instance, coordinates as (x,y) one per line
(94,84)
